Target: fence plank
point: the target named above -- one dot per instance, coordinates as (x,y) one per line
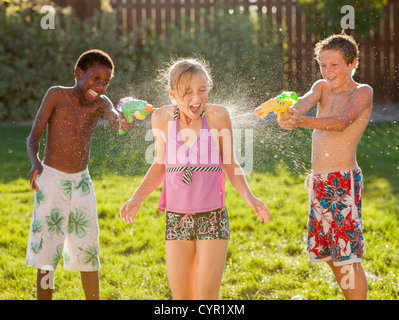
(168,16)
(197,17)
(148,10)
(245,5)
(117,5)
(367,60)
(386,48)
(129,14)
(139,13)
(158,18)
(377,57)
(289,71)
(187,16)
(307,70)
(298,48)
(395,82)
(279,13)
(177,21)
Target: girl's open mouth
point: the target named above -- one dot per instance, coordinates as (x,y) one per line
(195,108)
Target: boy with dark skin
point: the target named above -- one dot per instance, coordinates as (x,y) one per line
(71,115)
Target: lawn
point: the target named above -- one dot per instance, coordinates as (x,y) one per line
(264,261)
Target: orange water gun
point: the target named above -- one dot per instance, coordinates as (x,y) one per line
(276,106)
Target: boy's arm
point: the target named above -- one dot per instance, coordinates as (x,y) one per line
(310,98)
(219,118)
(305,103)
(39,125)
(361,99)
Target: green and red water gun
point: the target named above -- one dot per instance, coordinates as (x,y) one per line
(133,108)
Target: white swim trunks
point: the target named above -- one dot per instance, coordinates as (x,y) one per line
(64,222)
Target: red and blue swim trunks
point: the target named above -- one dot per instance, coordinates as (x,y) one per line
(335,226)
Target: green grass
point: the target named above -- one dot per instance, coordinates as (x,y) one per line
(264,261)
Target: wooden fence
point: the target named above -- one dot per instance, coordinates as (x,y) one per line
(379,51)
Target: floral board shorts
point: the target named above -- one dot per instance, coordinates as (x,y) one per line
(335,226)
(197,226)
(64,222)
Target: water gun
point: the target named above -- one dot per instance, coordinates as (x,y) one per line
(133,108)
(276,106)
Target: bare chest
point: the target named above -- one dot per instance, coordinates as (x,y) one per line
(75,120)
(333,104)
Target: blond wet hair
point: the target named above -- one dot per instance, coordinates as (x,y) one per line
(176,74)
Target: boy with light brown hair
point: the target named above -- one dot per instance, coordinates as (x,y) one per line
(335,226)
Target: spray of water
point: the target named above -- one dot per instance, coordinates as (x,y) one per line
(271,145)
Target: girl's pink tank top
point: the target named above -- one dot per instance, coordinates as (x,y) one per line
(206,191)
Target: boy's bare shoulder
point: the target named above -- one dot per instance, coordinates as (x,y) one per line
(105,102)
(363,95)
(363,88)
(58,91)
(320,85)
(54,96)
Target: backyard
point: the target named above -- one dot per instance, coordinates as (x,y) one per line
(264,262)
(254,55)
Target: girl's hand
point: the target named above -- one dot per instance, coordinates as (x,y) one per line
(129,210)
(260,209)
